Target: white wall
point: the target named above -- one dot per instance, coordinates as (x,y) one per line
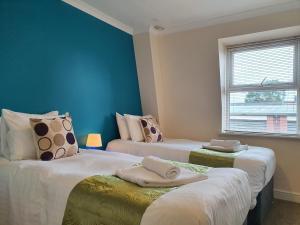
(189,89)
(147,54)
(143,54)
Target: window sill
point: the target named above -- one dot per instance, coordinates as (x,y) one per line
(264,135)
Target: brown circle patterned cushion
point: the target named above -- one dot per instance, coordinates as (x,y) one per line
(151,130)
(54,138)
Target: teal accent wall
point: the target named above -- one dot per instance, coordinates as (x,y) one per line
(54,56)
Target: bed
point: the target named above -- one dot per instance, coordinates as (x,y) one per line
(258,162)
(34,192)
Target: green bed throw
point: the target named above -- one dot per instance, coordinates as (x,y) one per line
(213,158)
(108,200)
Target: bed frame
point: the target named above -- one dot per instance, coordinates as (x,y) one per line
(257,215)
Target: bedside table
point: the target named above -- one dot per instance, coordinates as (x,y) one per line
(93,149)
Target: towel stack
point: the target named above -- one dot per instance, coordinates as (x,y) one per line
(226,145)
(156,172)
(161,167)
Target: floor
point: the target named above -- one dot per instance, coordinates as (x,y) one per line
(284,213)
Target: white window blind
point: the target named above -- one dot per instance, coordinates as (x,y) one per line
(262,88)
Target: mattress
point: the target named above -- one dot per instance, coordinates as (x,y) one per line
(258,162)
(35,192)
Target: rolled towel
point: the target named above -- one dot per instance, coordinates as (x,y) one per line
(161,167)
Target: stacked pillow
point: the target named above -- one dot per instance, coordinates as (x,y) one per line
(17,142)
(151,130)
(139,128)
(54,137)
(123,128)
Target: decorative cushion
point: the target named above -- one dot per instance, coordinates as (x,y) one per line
(123,128)
(54,138)
(134,126)
(17,141)
(151,130)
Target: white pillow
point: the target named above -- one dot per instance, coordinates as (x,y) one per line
(16,142)
(123,128)
(134,126)
(20,144)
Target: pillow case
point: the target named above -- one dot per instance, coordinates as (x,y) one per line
(134,126)
(123,128)
(54,138)
(20,146)
(151,130)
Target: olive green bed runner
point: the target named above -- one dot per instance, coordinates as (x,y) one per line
(109,200)
(213,158)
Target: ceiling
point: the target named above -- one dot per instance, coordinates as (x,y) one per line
(184,14)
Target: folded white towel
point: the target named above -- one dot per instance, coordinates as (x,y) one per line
(162,167)
(224,149)
(225,143)
(145,178)
(228,145)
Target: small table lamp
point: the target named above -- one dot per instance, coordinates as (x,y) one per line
(94,141)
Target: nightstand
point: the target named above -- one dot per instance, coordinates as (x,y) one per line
(93,149)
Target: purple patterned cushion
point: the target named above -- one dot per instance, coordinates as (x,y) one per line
(151,130)
(54,137)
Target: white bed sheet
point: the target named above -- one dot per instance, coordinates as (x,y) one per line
(258,162)
(36,192)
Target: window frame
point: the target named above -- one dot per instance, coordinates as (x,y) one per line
(230,88)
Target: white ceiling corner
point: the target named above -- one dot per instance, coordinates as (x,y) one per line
(138,16)
(83,6)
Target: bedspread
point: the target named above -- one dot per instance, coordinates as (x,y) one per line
(36,192)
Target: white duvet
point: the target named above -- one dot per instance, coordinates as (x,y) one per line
(36,192)
(258,162)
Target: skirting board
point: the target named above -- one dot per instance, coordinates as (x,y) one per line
(287,196)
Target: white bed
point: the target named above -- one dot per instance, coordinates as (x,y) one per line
(258,162)
(35,192)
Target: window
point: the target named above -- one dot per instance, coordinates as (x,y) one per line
(262,88)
